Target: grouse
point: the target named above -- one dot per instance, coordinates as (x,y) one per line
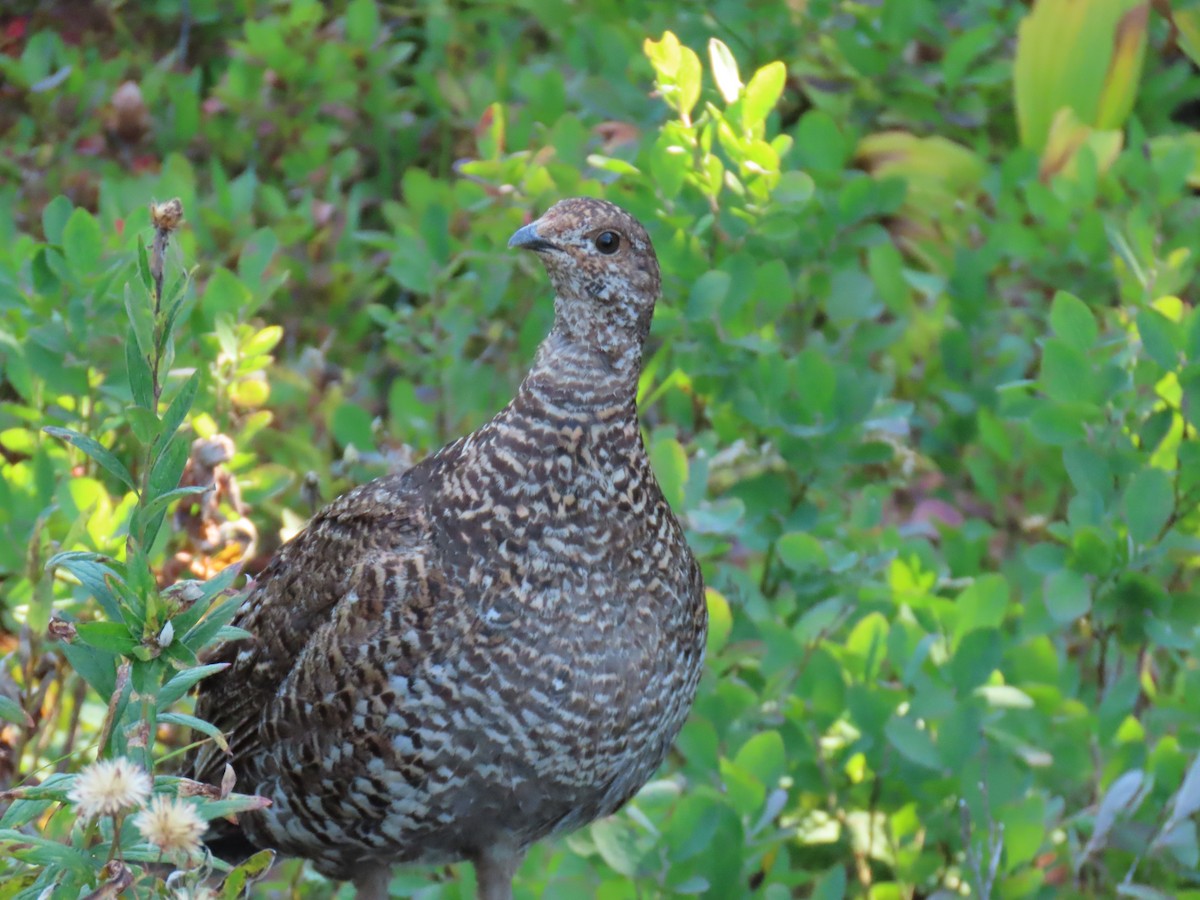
(497,645)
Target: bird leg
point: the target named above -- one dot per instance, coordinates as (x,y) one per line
(372,884)
(494,871)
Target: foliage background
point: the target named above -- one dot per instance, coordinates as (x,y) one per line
(925,384)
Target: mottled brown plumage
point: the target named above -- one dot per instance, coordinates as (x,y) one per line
(499,644)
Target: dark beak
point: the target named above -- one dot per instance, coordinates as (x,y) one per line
(527,238)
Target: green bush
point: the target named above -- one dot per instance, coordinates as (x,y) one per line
(924,387)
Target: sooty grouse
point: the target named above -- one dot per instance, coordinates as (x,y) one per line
(497,645)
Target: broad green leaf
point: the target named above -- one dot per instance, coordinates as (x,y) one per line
(1119,88)
(820,142)
(708,293)
(1149,503)
(982,605)
(82,243)
(801,552)
(362,22)
(689,81)
(1085,55)
(762,93)
(112,637)
(617,844)
(793,188)
(1067,596)
(263,341)
(1158,334)
(1073,321)
(54,218)
(1066,375)
(104,457)
(763,756)
(914,743)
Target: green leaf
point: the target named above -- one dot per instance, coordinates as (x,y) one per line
(159,503)
(141,379)
(82,242)
(820,143)
(54,218)
(1149,503)
(180,684)
(236,881)
(801,552)
(915,744)
(141,320)
(143,266)
(263,341)
(203,632)
(1073,321)
(112,637)
(707,295)
(11,711)
(22,812)
(725,71)
(689,80)
(353,425)
(98,578)
(97,667)
(982,605)
(617,844)
(101,454)
(362,22)
(670,464)
(720,621)
(205,728)
(763,756)
(42,851)
(180,406)
(1158,338)
(1066,374)
(762,93)
(1067,596)
(168,468)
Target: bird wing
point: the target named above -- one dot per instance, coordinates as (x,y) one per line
(338,556)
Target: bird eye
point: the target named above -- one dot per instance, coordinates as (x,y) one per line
(607,242)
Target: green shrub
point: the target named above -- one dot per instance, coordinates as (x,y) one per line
(923,385)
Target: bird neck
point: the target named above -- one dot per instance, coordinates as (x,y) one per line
(578,374)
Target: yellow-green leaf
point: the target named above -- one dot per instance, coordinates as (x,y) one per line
(762,93)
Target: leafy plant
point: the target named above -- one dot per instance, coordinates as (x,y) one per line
(923,386)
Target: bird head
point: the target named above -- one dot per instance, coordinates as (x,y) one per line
(603,269)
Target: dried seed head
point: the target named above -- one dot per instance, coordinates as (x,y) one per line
(107,787)
(171,825)
(167,216)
